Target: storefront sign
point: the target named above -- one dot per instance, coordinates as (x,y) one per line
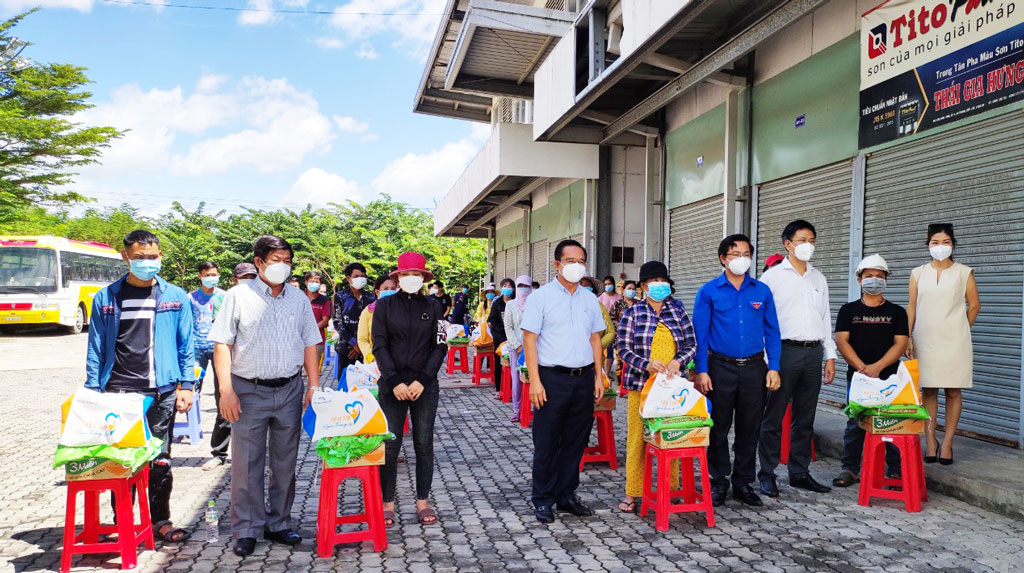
(926,63)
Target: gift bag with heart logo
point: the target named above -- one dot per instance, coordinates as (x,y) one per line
(664,396)
(334,413)
(93,418)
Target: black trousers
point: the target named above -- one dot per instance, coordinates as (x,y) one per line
(422,413)
(801,383)
(495,362)
(739,392)
(160,418)
(561,430)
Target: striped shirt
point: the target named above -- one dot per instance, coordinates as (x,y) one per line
(268,334)
(133,353)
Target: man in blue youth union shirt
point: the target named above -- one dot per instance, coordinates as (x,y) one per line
(736,325)
(562,341)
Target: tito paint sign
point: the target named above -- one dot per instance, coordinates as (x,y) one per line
(926,63)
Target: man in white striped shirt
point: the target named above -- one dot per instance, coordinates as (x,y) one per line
(265,333)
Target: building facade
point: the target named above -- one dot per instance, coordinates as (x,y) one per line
(870,119)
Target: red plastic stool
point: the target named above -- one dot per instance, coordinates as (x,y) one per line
(405,430)
(525,406)
(506,384)
(129,533)
(479,374)
(328,520)
(660,500)
(872,476)
(787,423)
(604,451)
(460,353)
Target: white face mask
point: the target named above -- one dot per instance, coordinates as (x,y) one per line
(277,273)
(411,283)
(574,272)
(433,291)
(358,283)
(940,252)
(804,251)
(244,281)
(739,265)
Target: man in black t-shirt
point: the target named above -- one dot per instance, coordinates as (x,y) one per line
(871,335)
(443,300)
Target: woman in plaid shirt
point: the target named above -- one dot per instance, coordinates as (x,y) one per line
(653,336)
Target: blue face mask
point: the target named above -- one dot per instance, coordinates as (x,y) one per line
(386,293)
(210,282)
(144,269)
(609,288)
(591,289)
(465,290)
(507,291)
(659,291)
(490,296)
(313,287)
(629,293)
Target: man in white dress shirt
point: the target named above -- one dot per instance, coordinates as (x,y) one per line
(801,300)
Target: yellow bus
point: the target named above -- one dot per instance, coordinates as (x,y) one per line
(52,280)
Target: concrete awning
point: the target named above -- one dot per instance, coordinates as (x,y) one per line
(487,48)
(508,168)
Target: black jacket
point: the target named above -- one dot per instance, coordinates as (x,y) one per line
(408,340)
(496,321)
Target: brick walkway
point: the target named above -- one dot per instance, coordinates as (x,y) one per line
(481,491)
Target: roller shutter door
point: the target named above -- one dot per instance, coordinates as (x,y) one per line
(499,266)
(973,177)
(822,197)
(552,273)
(540,261)
(695,230)
(520,263)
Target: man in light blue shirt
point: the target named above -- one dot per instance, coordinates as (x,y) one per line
(562,341)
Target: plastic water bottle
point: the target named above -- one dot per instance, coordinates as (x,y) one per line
(212,524)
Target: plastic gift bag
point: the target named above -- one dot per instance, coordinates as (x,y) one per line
(340,451)
(483,337)
(337,413)
(899,389)
(361,375)
(132,458)
(455,331)
(92,418)
(676,423)
(663,397)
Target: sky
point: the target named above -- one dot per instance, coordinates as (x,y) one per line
(264,108)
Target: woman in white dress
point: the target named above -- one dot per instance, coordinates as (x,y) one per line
(940,326)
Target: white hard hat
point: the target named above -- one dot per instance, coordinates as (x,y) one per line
(874,261)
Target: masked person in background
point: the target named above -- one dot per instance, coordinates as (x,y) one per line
(630,296)
(460,308)
(805,319)
(321,310)
(736,325)
(265,335)
(441,298)
(608,334)
(940,326)
(243,274)
(483,310)
(562,325)
(383,287)
(206,302)
(409,345)
(514,338)
(496,324)
(294,281)
(871,334)
(654,337)
(133,348)
(348,305)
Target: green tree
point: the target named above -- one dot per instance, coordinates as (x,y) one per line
(40,146)
(186,239)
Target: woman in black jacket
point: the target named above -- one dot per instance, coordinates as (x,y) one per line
(496,324)
(409,345)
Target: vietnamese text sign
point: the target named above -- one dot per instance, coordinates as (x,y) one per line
(926,63)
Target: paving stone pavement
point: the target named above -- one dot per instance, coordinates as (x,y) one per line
(481,491)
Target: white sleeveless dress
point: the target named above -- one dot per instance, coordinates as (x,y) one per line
(942,335)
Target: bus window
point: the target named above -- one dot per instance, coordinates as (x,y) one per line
(24,269)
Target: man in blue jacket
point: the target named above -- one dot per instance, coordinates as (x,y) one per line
(141,340)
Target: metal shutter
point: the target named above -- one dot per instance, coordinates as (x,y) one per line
(520,263)
(972,176)
(499,266)
(540,262)
(695,230)
(552,274)
(821,197)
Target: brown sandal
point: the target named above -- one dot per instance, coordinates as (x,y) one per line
(427,516)
(389,520)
